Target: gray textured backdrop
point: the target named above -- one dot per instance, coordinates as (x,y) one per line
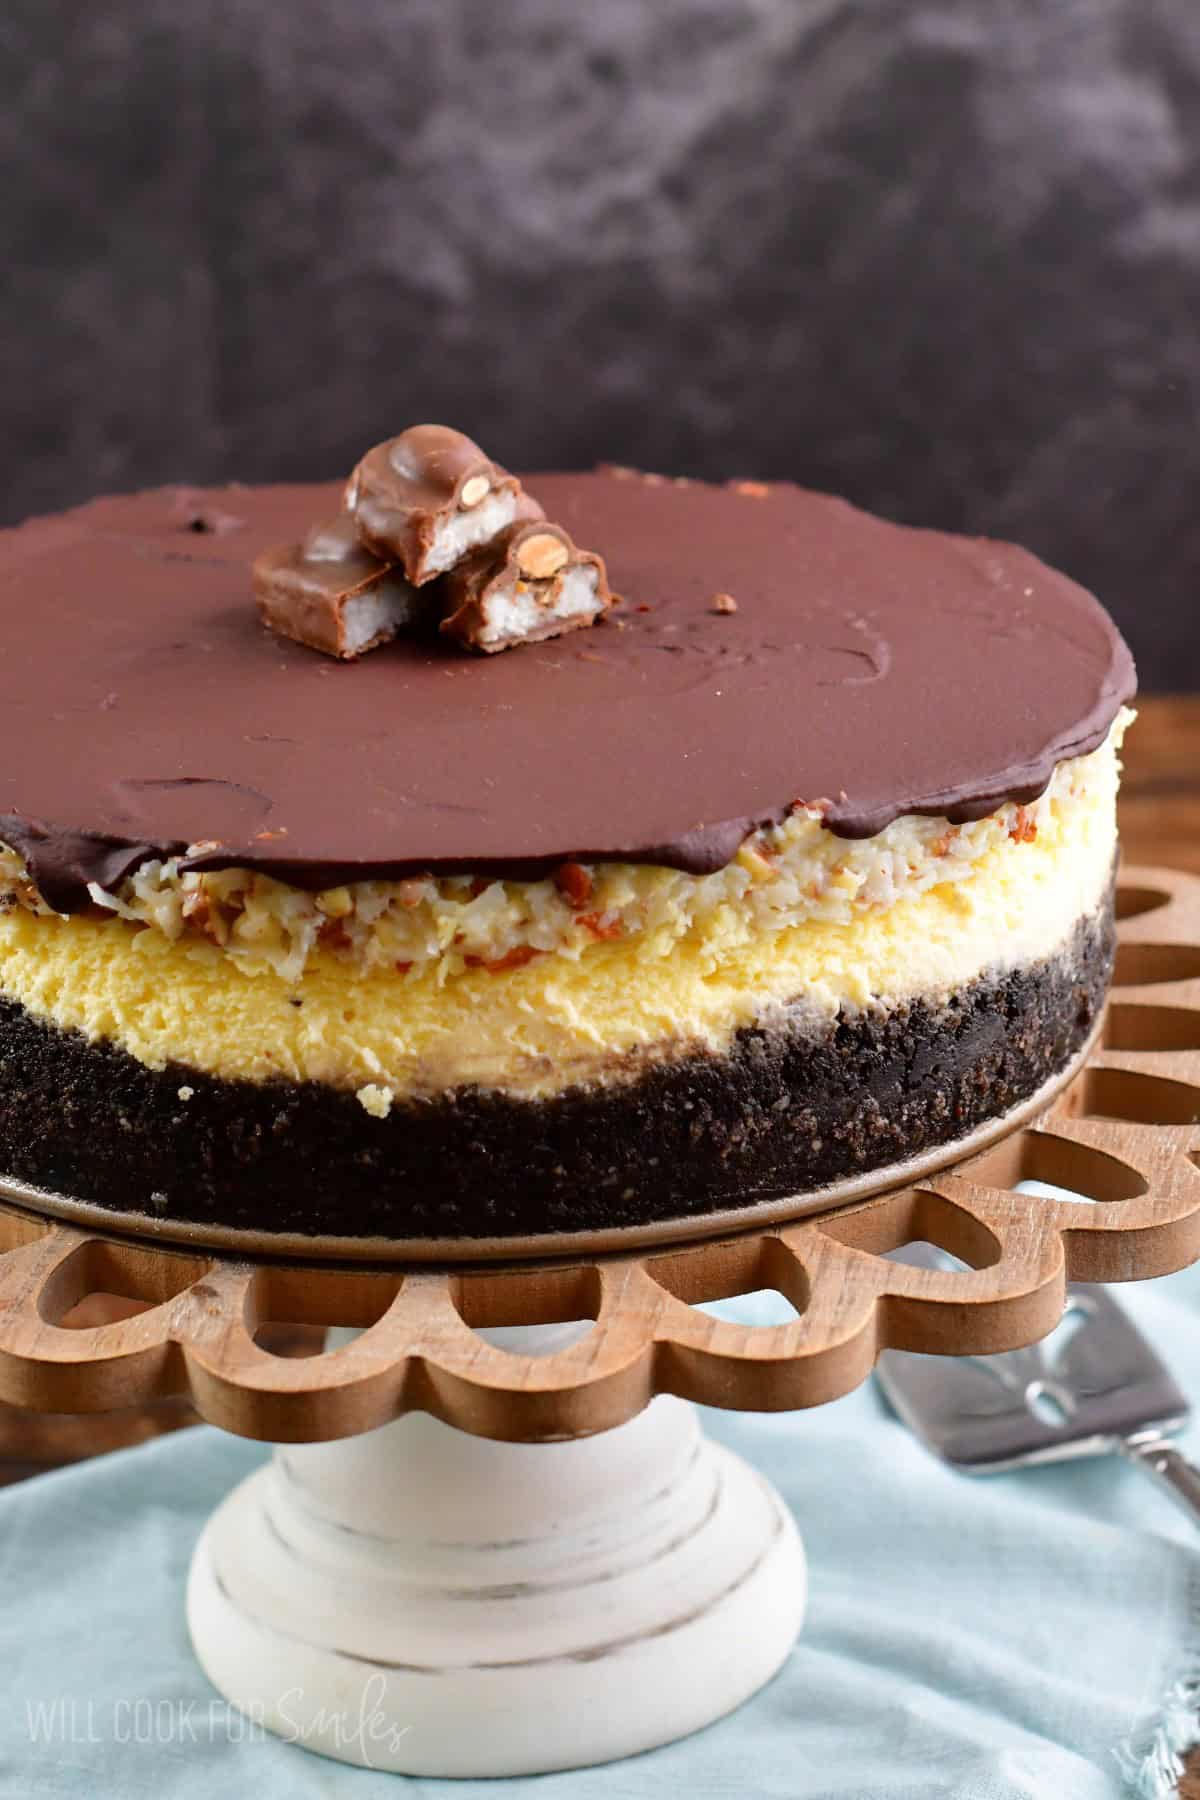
(942,257)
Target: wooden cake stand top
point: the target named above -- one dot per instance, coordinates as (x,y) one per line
(1125,1132)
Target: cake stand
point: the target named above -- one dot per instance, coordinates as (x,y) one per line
(493,1539)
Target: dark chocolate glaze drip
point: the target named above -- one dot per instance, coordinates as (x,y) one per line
(869,668)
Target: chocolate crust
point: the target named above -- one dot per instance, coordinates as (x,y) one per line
(784,1110)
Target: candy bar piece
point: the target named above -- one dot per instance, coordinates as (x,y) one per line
(427,498)
(333,595)
(533,584)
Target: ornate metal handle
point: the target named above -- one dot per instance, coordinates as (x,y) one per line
(1167,1466)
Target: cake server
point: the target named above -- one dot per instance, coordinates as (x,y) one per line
(1094,1387)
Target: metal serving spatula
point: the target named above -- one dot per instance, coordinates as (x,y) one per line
(1093,1387)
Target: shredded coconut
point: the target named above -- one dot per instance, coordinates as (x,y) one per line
(780,877)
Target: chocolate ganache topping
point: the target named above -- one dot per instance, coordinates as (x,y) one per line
(866,667)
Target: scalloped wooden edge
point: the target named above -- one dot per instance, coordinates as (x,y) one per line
(1127,1132)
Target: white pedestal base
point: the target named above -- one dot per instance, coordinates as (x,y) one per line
(426,1602)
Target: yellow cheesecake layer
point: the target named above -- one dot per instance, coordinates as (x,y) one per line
(557,1020)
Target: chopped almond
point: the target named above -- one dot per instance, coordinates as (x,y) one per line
(600,927)
(515,958)
(574,882)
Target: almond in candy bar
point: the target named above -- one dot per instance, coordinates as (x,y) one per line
(532,584)
(429,497)
(332,594)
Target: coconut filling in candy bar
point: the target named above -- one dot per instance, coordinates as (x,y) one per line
(429,497)
(532,584)
(334,596)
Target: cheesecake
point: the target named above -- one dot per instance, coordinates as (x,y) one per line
(795,866)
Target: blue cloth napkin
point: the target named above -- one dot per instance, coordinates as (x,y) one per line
(1027,1635)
